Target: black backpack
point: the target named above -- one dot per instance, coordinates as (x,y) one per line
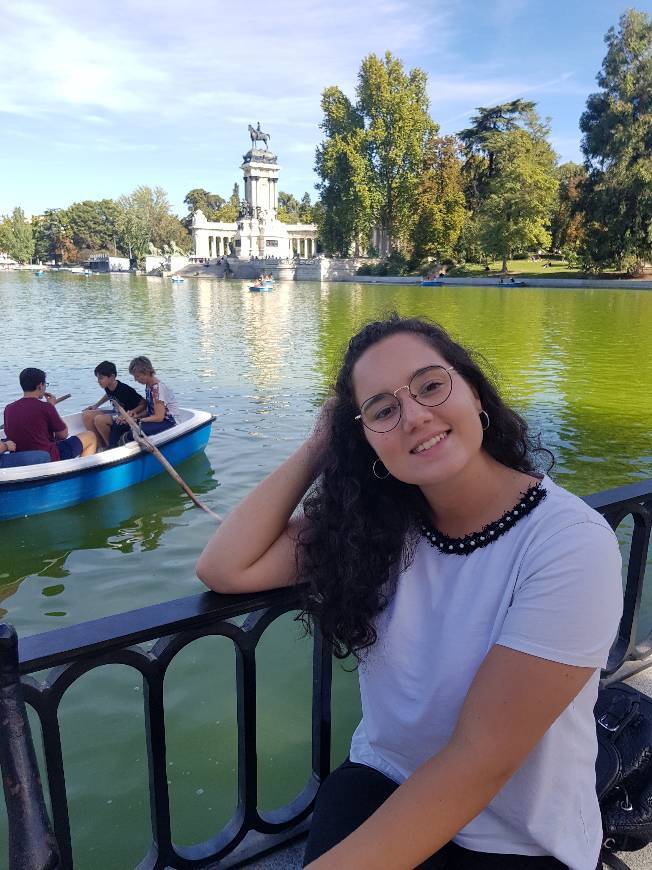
(624,770)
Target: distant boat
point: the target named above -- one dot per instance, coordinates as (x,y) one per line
(267,287)
(177,279)
(77,270)
(433,283)
(511,283)
(39,272)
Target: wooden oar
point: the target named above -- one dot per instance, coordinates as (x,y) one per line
(146,444)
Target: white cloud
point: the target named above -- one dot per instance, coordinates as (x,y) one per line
(158,58)
(49,64)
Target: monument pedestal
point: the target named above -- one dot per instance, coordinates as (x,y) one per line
(260,233)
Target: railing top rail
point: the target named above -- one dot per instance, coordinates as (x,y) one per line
(63,645)
(612,498)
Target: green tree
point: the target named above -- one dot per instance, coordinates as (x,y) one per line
(209,203)
(288,208)
(566,225)
(305,209)
(515,214)
(230,210)
(147,224)
(479,138)
(16,237)
(370,160)
(442,206)
(510,179)
(617,144)
(52,237)
(94,225)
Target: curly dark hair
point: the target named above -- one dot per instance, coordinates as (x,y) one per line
(361,531)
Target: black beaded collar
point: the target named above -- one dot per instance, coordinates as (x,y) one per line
(463,546)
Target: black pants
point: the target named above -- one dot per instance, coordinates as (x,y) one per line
(353,792)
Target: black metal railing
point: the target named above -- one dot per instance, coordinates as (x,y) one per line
(69,653)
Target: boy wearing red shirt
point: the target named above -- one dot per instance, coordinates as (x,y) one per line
(35,425)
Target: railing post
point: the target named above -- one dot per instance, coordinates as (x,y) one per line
(32,844)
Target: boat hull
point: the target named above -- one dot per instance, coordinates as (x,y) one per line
(432,283)
(40,494)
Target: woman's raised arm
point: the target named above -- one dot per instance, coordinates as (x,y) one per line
(254,548)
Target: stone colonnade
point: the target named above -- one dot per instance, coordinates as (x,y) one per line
(304,247)
(218,246)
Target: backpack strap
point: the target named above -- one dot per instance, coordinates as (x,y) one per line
(610,860)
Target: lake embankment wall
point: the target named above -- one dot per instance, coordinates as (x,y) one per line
(615,283)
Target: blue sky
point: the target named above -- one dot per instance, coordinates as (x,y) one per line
(98,97)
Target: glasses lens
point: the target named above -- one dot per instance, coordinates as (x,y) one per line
(381,413)
(432,386)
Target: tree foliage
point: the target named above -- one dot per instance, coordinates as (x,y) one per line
(16,237)
(147,225)
(52,237)
(617,144)
(370,161)
(93,225)
(200,199)
(293,211)
(566,226)
(510,179)
(515,215)
(442,207)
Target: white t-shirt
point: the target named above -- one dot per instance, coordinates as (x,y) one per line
(551,587)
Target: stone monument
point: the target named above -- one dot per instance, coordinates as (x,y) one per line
(259,231)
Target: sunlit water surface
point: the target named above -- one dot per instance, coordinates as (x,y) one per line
(577,363)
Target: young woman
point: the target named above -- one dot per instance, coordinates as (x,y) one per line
(480,598)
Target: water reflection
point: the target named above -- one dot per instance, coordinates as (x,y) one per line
(131,520)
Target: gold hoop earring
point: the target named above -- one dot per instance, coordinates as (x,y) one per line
(484,428)
(379,476)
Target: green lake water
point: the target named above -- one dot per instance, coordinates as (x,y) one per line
(576,362)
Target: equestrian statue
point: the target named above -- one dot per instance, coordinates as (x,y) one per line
(257,135)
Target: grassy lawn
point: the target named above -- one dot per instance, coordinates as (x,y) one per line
(525,269)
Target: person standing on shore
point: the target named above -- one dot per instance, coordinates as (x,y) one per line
(479,598)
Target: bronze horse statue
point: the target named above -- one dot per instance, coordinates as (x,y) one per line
(257,135)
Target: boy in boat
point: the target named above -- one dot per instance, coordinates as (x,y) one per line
(162,410)
(102,422)
(32,424)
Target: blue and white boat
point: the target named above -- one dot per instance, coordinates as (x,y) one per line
(434,282)
(265,287)
(36,489)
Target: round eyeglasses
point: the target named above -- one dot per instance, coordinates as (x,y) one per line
(429,387)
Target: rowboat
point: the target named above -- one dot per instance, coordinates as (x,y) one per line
(36,489)
(432,283)
(177,279)
(266,287)
(502,283)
